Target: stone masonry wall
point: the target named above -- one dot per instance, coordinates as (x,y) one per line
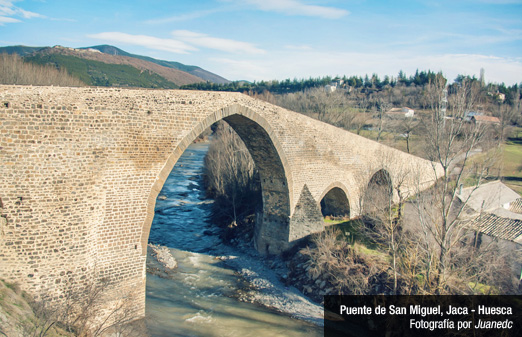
(81,169)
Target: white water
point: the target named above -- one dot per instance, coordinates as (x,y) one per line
(196,299)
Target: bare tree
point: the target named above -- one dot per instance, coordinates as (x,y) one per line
(507,115)
(428,251)
(382,205)
(384,106)
(230,176)
(405,127)
(83,311)
(360,120)
(450,142)
(13,70)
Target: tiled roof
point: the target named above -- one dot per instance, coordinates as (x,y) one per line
(516,206)
(488,119)
(395,111)
(500,227)
(488,196)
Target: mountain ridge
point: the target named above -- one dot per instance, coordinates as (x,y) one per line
(175,72)
(193,70)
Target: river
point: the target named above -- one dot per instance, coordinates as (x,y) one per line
(198,299)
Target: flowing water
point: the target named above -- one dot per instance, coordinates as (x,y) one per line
(197,300)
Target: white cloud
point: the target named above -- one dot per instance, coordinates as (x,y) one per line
(170,45)
(227,45)
(29,15)
(296,7)
(9,12)
(7,7)
(235,69)
(5,19)
(183,42)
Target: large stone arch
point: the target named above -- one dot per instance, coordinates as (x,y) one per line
(335,200)
(272,225)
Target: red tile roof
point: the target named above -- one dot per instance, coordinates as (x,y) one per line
(486,119)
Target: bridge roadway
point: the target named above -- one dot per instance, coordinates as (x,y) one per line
(81,169)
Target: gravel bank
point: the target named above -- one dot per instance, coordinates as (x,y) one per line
(264,276)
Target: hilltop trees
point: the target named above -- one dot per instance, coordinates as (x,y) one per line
(419,79)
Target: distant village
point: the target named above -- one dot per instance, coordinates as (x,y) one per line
(406,112)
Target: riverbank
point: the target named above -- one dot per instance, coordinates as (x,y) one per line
(267,279)
(262,280)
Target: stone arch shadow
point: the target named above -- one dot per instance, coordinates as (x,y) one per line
(335,200)
(378,192)
(272,225)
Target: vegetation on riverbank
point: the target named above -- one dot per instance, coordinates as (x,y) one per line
(337,262)
(231,179)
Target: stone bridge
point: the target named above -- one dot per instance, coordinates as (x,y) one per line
(81,169)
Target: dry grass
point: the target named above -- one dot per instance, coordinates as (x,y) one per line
(349,269)
(19,319)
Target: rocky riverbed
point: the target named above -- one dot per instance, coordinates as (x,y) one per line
(264,280)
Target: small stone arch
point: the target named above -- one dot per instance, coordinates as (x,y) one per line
(378,194)
(334,201)
(272,225)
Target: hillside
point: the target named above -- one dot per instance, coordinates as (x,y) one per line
(102,74)
(111,66)
(20,50)
(149,70)
(19,319)
(193,70)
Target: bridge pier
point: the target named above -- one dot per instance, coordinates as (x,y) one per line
(276,233)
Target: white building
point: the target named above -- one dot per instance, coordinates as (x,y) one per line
(403,112)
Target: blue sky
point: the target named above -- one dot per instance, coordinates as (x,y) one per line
(278,39)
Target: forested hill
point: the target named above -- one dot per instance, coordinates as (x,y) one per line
(111,66)
(193,70)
